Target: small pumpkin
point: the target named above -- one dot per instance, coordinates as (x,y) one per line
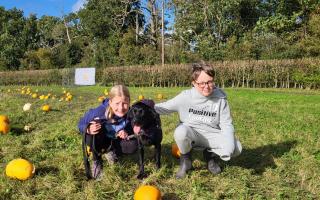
(34,95)
(140,97)
(20,169)
(101,98)
(27,128)
(46,108)
(147,192)
(4,127)
(160,96)
(41,97)
(69,98)
(106,92)
(26,106)
(4,118)
(175,151)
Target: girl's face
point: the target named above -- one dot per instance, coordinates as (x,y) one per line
(204,84)
(119,105)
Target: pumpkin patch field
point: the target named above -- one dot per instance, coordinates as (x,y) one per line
(278,128)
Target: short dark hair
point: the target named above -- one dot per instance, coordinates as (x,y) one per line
(197,68)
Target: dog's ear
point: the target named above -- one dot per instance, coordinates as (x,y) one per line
(156,116)
(148,102)
(130,113)
(153,116)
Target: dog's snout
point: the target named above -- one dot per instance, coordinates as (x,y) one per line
(136,122)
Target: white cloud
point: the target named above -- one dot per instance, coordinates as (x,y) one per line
(78,5)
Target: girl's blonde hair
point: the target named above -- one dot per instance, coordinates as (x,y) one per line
(117,91)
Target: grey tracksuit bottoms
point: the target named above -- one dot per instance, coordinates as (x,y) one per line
(225,146)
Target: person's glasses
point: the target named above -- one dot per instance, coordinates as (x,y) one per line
(203,84)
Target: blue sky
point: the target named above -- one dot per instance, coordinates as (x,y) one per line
(43,7)
(53,7)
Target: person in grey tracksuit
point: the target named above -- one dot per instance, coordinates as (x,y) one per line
(205,121)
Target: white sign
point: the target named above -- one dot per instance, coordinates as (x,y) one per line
(85,76)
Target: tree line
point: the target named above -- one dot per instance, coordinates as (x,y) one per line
(114,33)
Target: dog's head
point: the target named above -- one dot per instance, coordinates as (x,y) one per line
(142,117)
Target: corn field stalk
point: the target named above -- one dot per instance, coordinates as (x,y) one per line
(302,73)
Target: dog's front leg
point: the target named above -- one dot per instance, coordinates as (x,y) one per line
(141,174)
(158,155)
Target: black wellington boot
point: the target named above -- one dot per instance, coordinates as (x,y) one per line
(211,158)
(185,165)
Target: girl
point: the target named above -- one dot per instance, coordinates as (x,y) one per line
(106,128)
(205,121)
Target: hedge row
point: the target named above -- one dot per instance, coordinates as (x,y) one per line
(38,77)
(302,73)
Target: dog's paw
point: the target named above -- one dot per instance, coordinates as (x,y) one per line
(142,176)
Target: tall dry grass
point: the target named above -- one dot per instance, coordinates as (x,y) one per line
(298,73)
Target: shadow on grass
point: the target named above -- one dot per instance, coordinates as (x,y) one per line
(54,110)
(261,158)
(47,170)
(19,131)
(257,159)
(80,176)
(170,196)
(16,131)
(129,160)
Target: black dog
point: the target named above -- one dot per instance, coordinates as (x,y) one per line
(147,127)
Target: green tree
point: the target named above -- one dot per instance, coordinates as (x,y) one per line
(46,24)
(12,44)
(30,61)
(129,52)
(31,33)
(311,42)
(75,53)
(149,54)
(104,22)
(205,26)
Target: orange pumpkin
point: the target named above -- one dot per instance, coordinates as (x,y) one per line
(175,151)
(4,127)
(147,192)
(4,118)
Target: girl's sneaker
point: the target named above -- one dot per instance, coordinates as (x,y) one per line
(97,169)
(111,157)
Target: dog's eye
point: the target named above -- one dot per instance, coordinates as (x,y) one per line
(141,112)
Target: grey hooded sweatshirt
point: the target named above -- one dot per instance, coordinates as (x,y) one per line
(209,116)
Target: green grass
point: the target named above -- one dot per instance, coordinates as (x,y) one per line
(279,131)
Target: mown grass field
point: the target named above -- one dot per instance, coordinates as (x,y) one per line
(279,131)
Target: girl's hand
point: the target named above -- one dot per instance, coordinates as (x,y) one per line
(122,134)
(94,128)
